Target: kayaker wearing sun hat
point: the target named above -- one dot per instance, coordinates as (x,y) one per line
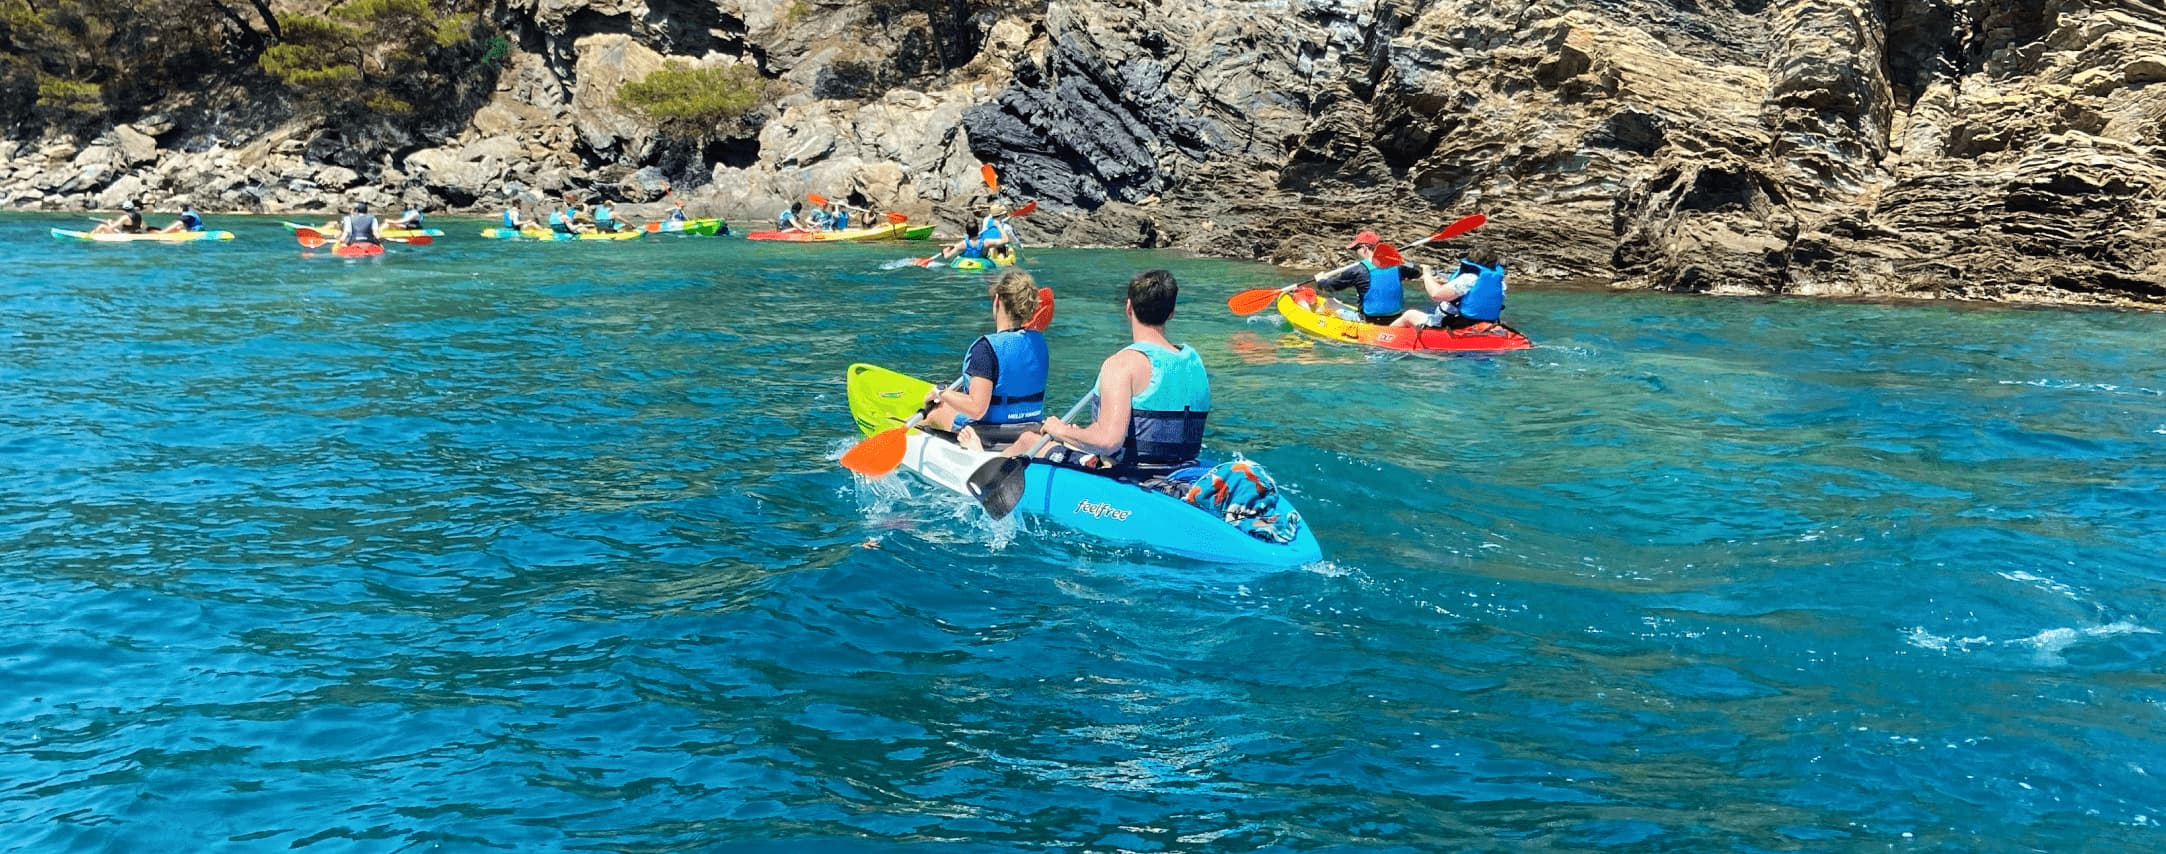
(1378,294)
(1004,396)
(130,220)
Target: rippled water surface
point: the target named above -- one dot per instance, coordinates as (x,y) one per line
(543,547)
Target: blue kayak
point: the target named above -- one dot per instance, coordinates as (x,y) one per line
(1082,499)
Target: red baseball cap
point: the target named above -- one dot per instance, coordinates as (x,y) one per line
(1365,238)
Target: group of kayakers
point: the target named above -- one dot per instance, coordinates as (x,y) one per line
(1149,404)
(1153,396)
(572,217)
(1473,294)
(994,240)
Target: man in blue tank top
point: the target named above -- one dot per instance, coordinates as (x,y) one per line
(1379,297)
(1004,395)
(1473,296)
(1153,397)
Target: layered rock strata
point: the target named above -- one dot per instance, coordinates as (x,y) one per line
(1969,148)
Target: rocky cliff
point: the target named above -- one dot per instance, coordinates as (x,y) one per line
(1971,148)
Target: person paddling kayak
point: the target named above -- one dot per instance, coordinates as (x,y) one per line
(1152,397)
(793,219)
(1473,296)
(411,219)
(973,247)
(514,218)
(676,210)
(1378,293)
(130,220)
(188,220)
(358,227)
(605,217)
(1004,396)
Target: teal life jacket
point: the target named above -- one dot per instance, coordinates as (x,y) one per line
(1165,420)
(511,218)
(974,247)
(191,221)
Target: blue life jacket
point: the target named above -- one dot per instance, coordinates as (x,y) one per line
(511,218)
(1385,295)
(412,215)
(973,247)
(819,220)
(842,220)
(603,213)
(676,214)
(1165,421)
(192,221)
(1019,391)
(1484,301)
(782,220)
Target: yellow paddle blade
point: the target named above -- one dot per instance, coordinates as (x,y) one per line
(879,454)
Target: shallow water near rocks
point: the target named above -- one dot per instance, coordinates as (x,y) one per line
(543,547)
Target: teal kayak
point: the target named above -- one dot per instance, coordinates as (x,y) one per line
(1081,499)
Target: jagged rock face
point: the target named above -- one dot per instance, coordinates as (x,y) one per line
(1976,148)
(1924,147)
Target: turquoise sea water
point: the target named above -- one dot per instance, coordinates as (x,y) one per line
(542,547)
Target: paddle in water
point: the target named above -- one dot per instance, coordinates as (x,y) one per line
(1251,301)
(881,452)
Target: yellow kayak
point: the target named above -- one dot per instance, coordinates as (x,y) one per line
(147,236)
(1300,310)
(899,231)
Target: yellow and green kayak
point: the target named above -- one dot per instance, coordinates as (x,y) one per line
(699,227)
(1299,307)
(143,237)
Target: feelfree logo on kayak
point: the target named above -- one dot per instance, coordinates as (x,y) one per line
(1101,510)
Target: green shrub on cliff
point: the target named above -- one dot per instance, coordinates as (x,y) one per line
(695,102)
(75,61)
(365,54)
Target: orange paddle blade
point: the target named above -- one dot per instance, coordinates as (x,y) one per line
(992,178)
(416,240)
(922,262)
(879,454)
(1386,255)
(817,199)
(1464,224)
(309,237)
(1043,317)
(1249,302)
(897,218)
(653,226)
(1027,209)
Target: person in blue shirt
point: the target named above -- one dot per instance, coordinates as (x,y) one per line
(1379,296)
(514,218)
(1152,397)
(1473,296)
(996,224)
(676,211)
(411,219)
(188,220)
(1003,397)
(973,247)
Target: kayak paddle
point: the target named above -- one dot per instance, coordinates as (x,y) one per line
(992,178)
(416,240)
(1027,209)
(998,483)
(1251,301)
(309,237)
(881,452)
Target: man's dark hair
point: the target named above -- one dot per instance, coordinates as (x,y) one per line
(1151,295)
(1483,254)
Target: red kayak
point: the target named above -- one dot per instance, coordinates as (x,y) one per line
(1299,309)
(358,250)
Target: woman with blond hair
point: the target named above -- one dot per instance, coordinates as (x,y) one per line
(1002,395)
